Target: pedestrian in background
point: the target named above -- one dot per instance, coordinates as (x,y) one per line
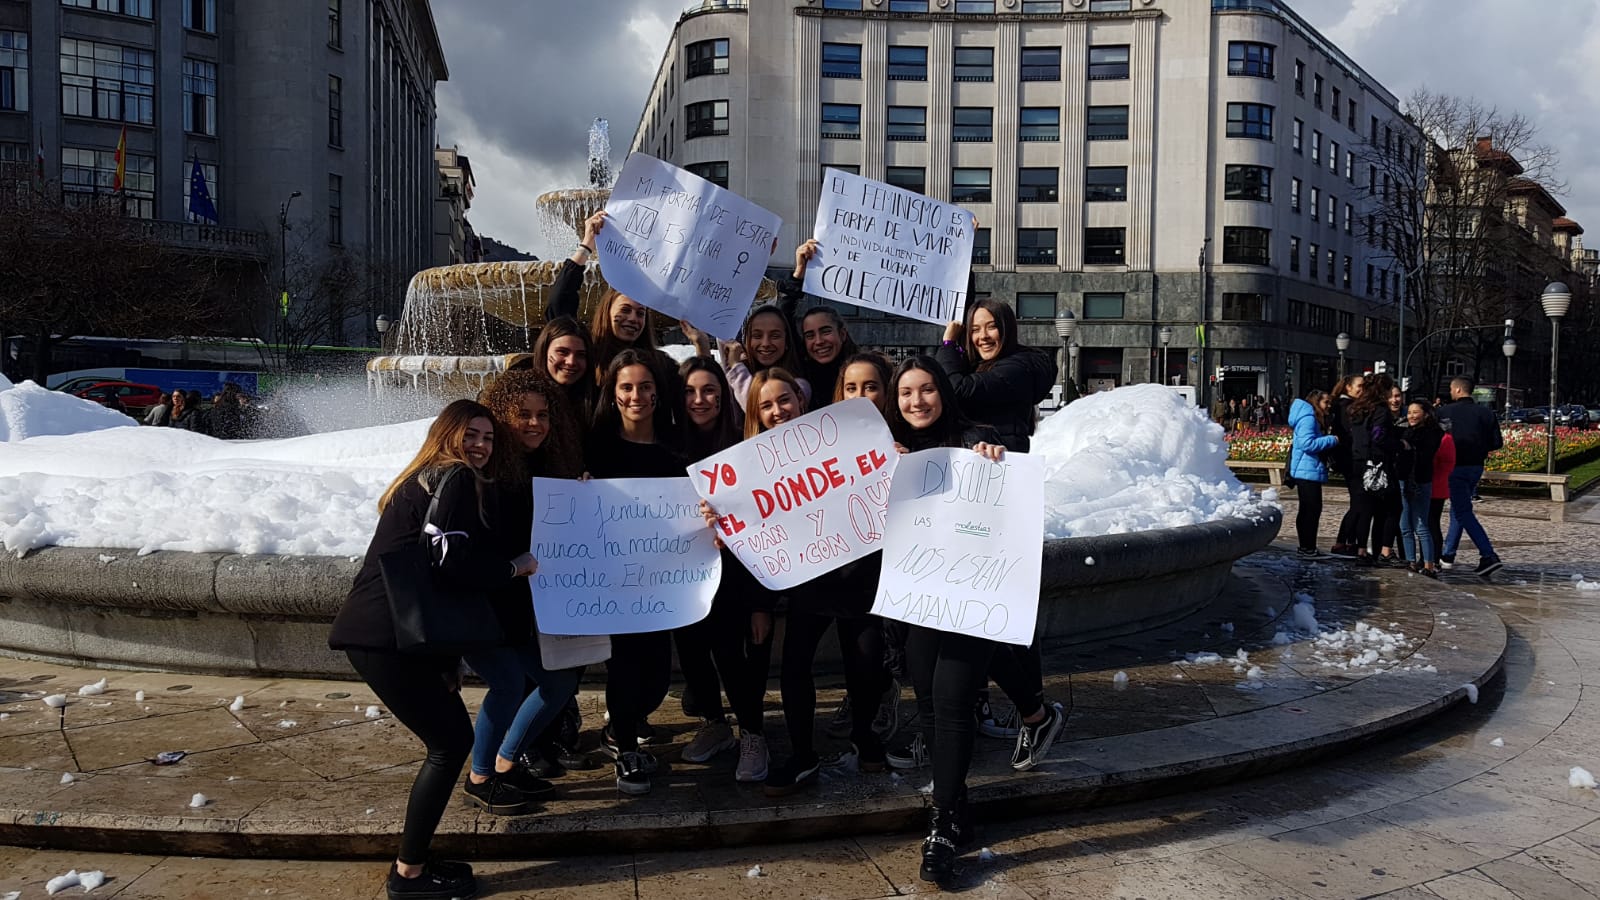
(1476,435)
(1307,465)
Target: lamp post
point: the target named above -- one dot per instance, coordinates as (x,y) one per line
(283,274)
(1166,338)
(1343,343)
(1555,300)
(1072,363)
(1509,348)
(383,324)
(1066,324)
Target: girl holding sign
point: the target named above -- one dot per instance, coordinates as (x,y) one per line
(947,668)
(767,342)
(630,439)
(823,336)
(733,644)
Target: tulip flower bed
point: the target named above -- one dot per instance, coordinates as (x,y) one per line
(1269,444)
(1524,449)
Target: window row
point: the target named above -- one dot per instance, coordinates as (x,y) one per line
(910,63)
(199,15)
(983,7)
(13,71)
(969,124)
(1319,318)
(1347,109)
(116,83)
(1102,184)
(1323,262)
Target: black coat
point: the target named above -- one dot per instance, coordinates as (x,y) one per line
(1007,395)
(477,560)
(1418,446)
(821,376)
(1375,439)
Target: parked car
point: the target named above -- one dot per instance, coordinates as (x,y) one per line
(1572,416)
(74,385)
(132,398)
(1594,417)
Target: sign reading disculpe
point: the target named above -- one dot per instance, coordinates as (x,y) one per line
(685,247)
(887,248)
(621,556)
(806,497)
(964,545)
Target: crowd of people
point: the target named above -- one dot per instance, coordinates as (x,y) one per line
(1258,412)
(230,415)
(1401,460)
(603,402)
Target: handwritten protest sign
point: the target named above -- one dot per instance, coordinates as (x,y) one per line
(964,544)
(685,247)
(620,556)
(887,248)
(806,497)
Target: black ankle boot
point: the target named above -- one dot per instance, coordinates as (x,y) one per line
(948,835)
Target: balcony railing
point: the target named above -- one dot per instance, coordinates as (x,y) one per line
(215,240)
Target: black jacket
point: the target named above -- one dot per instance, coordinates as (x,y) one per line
(565,292)
(476,560)
(1474,430)
(821,376)
(1007,395)
(1341,455)
(1374,440)
(1418,445)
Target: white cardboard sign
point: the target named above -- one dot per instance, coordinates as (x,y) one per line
(964,544)
(685,247)
(621,556)
(806,497)
(887,248)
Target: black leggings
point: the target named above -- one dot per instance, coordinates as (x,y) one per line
(1309,516)
(948,670)
(1435,513)
(1019,671)
(715,655)
(1349,535)
(637,677)
(1386,521)
(415,688)
(861,645)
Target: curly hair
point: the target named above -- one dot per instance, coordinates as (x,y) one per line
(561,453)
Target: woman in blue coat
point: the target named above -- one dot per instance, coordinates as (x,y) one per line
(1306,466)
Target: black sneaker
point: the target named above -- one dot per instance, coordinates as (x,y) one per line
(499,797)
(1311,554)
(912,754)
(633,773)
(870,758)
(1487,567)
(1034,741)
(542,762)
(991,725)
(1447,560)
(795,773)
(438,881)
(532,786)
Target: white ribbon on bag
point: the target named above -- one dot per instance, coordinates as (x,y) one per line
(441,539)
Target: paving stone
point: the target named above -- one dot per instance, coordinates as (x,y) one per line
(1457,814)
(831,870)
(104,746)
(27,870)
(1190,875)
(1527,877)
(565,879)
(1472,885)
(203,879)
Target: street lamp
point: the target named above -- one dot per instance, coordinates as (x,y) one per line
(1343,343)
(1066,324)
(1509,348)
(1166,338)
(1555,300)
(283,272)
(1072,363)
(383,324)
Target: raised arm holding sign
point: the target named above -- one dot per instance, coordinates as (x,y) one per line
(683,246)
(887,248)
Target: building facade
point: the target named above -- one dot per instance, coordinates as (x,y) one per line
(454,240)
(1149,167)
(332,100)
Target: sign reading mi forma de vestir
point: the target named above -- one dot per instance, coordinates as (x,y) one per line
(806,497)
(621,556)
(887,248)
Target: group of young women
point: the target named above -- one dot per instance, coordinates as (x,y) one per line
(1396,461)
(604,402)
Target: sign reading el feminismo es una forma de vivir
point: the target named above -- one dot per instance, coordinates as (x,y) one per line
(887,248)
(685,247)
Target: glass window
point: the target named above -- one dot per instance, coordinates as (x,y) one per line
(1312,257)
(1104,246)
(87,174)
(1248,183)
(1107,123)
(106,81)
(1349,219)
(705,118)
(1041,63)
(1299,136)
(910,178)
(1251,120)
(714,172)
(841,4)
(707,58)
(1246,246)
(1105,184)
(208,171)
(1041,185)
(1250,58)
(908,63)
(907,123)
(1036,246)
(1040,7)
(841,60)
(974,64)
(1244,307)
(335,111)
(1349,167)
(1300,78)
(975,7)
(1102,306)
(1110,5)
(335,209)
(980,246)
(1348,278)
(1333,209)
(1108,63)
(1331,257)
(201,15)
(144,9)
(972,124)
(971,185)
(1335,105)
(913,6)
(841,120)
(1333,157)
(1352,105)
(1316,148)
(1316,91)
(1039,123)
(199,96)
(1294,254)
(1036,306)
(335,28)
(13,71)
(1316,204)
(1294,195)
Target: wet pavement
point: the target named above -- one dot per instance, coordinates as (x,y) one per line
(1473,804)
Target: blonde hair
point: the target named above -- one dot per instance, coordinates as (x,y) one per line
(441,450)
(752,400)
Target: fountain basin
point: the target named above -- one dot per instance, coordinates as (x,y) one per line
(235,614)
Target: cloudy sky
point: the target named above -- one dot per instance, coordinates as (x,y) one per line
(525,82)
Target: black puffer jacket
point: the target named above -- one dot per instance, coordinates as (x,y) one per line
(1007,395)
(1418,446)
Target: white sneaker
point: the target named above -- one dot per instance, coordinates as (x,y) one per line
(753,758)
(713,737)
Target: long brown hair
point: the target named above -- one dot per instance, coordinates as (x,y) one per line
(608,419)
(1374,394)
(790,360)
(752,402)
(606,343)
(725,431)
(880,365)
(1005,318)
(560,455)
(1315,397)
(582,393)
(441,450)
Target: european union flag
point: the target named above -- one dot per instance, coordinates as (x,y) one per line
(200,196)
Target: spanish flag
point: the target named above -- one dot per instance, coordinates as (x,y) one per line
(122,160)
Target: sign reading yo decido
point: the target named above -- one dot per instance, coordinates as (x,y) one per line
(806,497)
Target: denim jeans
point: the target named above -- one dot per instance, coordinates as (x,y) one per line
(507,719)
(1414,531)
(1463,484)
